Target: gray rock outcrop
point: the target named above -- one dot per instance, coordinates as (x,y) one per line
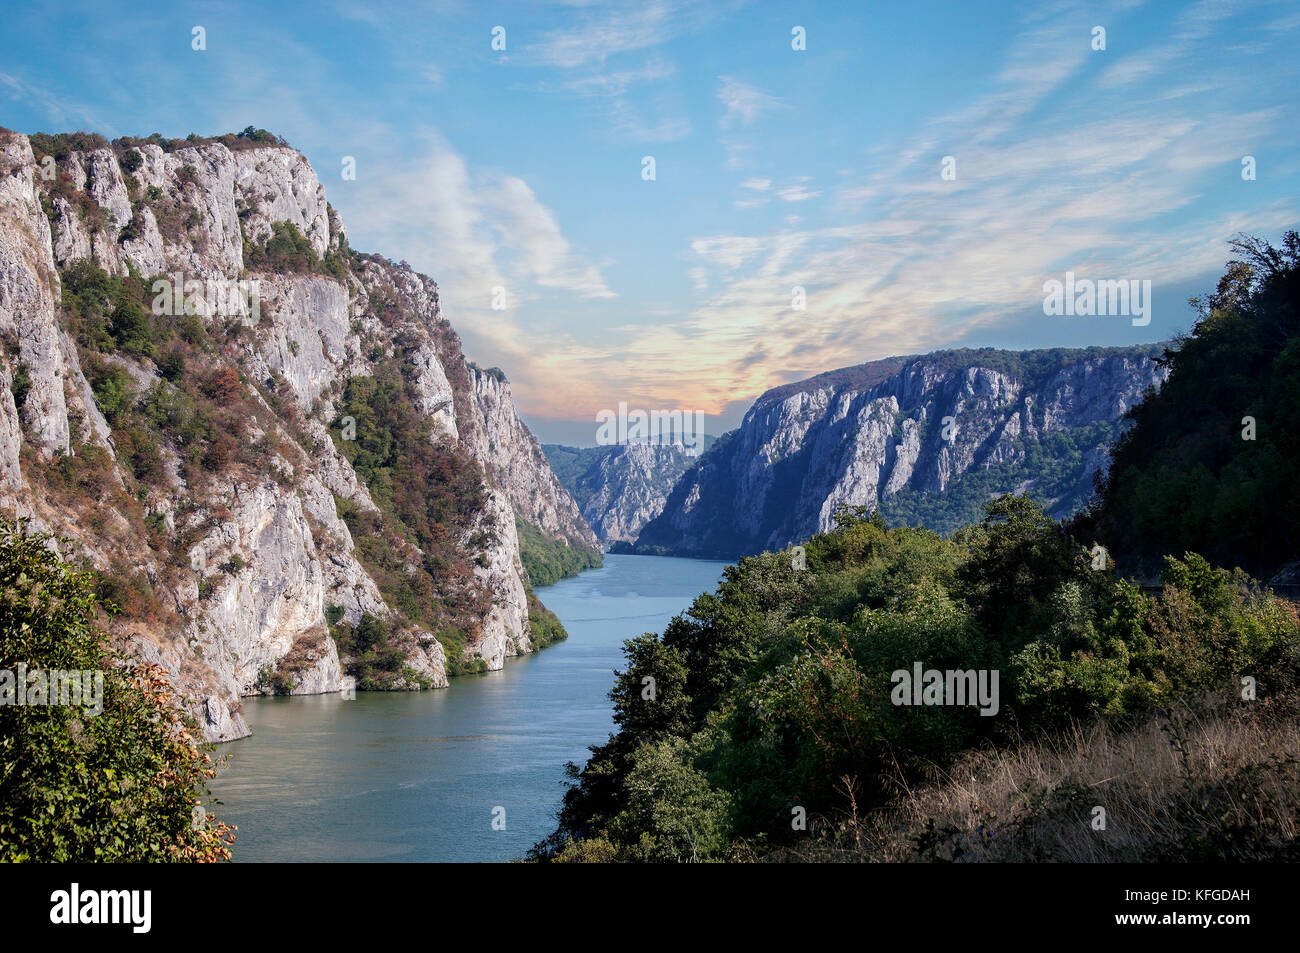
(241,572)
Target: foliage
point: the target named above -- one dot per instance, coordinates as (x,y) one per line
(21,385)
(120,785)
(1184,477)
(774,693)
(63,144)
(773,690)
(422,546)
(189,421)
(546,628)
(1057,463)
(548,560)
(249,138)
(287,250)
(371,653)
(200,409)
(108,313)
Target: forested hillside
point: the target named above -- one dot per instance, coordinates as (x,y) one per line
(1212,463)
(769,722)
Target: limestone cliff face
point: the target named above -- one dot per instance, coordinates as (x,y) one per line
(512,454)
(620,488)
(246,562)
(925,439)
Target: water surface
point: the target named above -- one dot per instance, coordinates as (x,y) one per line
(417,776)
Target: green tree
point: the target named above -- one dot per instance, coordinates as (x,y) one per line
(1019,558)
(1192,473)
(122,784)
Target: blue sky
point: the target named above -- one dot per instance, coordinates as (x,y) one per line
(775,168)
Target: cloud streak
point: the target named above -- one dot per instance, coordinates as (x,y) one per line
(474,231)
(1100,183)
(743,103)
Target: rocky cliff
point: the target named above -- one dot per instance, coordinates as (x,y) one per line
(620,488)
(270,447)
(927,440)
(514,456)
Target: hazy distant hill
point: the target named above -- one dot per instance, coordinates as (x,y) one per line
(620,488)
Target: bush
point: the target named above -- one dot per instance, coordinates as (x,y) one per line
(117,786)
(223,386)
(544,625)
(286,250)
(370,653)
(421,547)
(107,313)
(21,385)
(776,690)
(112,387)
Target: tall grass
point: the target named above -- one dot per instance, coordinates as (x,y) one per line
(1211,779)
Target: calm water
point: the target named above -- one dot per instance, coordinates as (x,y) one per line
(416,776)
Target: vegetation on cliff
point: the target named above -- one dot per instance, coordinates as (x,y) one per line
(547,560)
(1212,462)
(190,415)
(422,545)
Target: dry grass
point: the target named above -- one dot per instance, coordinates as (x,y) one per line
(1210,780)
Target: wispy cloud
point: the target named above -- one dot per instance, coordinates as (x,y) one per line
(797,191)
(600,36)
(604,31)
(618,90)
(60,112)
(1123,162)
(743,103)
(475,231)
(528,228)
(1089,185)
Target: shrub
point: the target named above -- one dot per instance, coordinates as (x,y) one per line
(223,386)
(112,387)
(286,250)
(120,785)
(370,653)
(775,690)
(21,385)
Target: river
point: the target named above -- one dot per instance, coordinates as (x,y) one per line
(421,776)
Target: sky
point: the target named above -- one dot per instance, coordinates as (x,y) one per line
(918,169)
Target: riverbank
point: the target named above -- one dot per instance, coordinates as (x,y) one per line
(420,776)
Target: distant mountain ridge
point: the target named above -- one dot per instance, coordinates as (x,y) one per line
(878,435)
(622,487)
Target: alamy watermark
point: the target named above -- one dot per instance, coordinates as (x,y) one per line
(951,687)
(653,426)
(130,907)
(1085,297)
(67,688)
(211,297)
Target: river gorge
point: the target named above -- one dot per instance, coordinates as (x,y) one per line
(421,776)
